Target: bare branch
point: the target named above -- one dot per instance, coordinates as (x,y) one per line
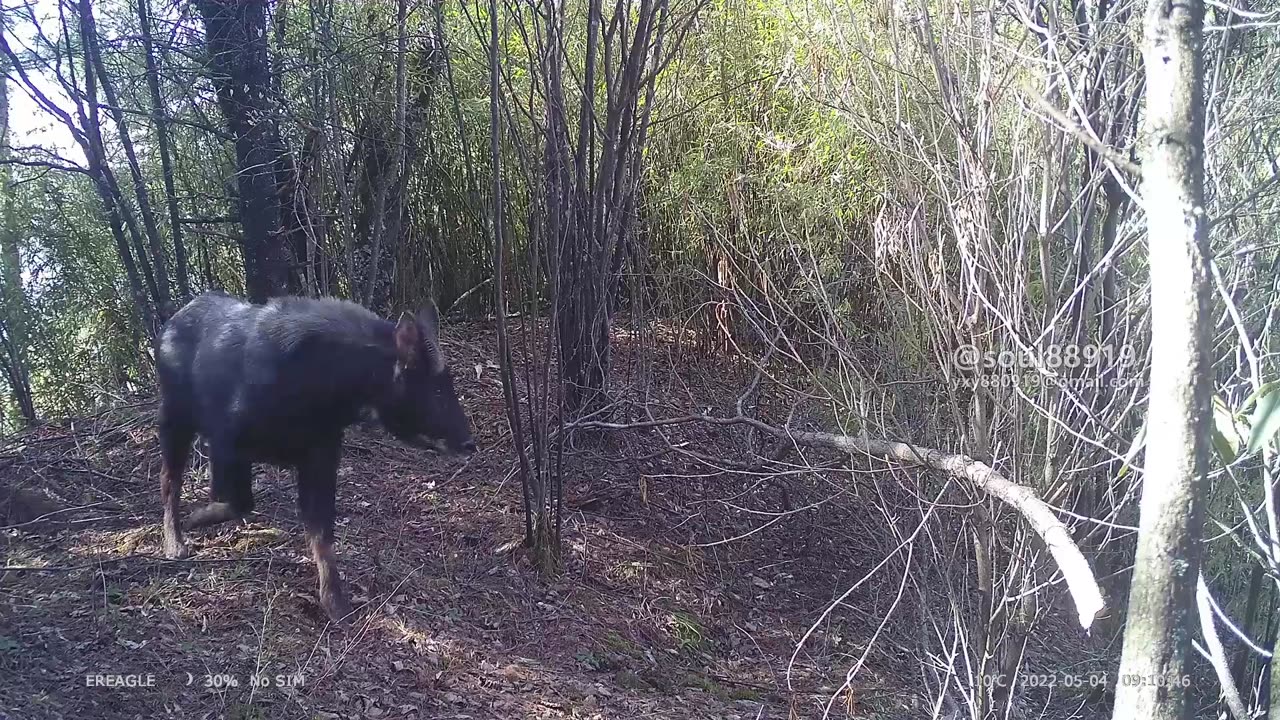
(1075,568)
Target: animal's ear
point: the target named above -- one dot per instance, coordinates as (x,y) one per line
(408,340)
(429,321)
(429,317)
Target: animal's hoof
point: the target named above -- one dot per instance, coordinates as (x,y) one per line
(337,607)
(176,550)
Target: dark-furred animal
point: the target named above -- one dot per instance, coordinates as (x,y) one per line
(279,383)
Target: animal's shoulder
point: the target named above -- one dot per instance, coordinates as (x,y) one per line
(290,320)
(207,312)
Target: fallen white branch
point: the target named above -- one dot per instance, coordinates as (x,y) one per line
(1075,569)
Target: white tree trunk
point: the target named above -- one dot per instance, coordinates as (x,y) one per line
(1157,639)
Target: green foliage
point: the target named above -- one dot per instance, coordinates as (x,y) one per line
(688,632)
(1264,423)
(744,168)
(1239,438)
(739,157)
(85,343)
(1226,431)
(1233,433)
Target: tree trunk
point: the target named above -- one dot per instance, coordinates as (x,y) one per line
(528,480)
(588,211)
(119,216)
(1157,637)
(165,145)
(15,313)
(235,36)
(387,186)
(159,259)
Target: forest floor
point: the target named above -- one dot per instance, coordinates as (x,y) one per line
(679,596)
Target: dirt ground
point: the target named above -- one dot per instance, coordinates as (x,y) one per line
(653,614)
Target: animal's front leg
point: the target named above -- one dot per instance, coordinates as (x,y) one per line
(317,487)
(170,492)
(175,448)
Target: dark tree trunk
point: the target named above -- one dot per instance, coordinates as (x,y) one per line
(236,39)
(155,243)
(161,120)
(119,217)
(14,315)
(591,182)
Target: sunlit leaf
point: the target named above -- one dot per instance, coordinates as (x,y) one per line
(1265,420)
(1228,435)
(1139,442)
(1264,389)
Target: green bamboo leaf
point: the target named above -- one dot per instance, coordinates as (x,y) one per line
(1227,433)
(1225,450)
(1265,421)
(1264,389)
(1139,441)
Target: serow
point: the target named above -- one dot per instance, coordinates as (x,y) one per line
(279,384)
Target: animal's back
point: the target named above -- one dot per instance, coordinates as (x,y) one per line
(285,322)
(216,327)
(209,332)
(313,362)
(209,317)
(263,373)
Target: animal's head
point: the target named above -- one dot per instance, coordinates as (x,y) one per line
(423,408)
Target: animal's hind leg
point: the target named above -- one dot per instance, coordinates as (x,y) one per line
(232,494)
(317,487)
(175,448)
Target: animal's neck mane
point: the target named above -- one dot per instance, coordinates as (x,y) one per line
(291,321)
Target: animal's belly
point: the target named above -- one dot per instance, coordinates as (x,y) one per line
(287,445)
(258,428)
